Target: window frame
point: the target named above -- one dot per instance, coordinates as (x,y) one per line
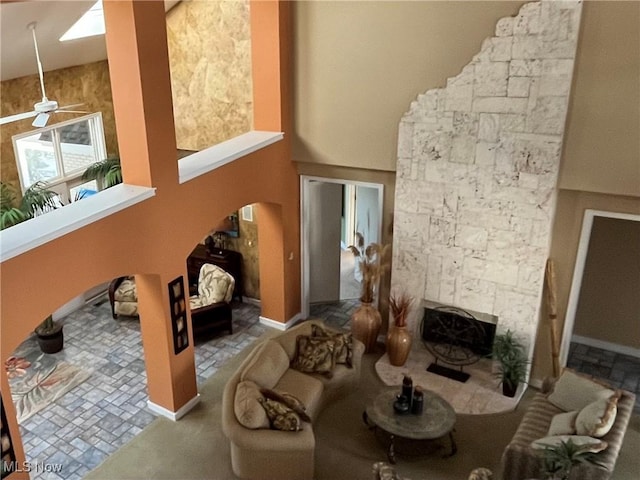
(63,183)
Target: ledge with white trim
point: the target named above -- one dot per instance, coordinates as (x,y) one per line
(27,235)
(209,159)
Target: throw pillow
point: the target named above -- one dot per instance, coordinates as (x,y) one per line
(291,401)
(343,343)
(573,391)
(596,419)
(314,355)
(563,424)
(247,406)
(586,444)
(281,416)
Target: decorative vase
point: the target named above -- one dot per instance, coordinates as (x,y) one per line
(398,345)
(365,325)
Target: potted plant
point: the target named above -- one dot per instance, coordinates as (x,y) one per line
(559,460)
(107,172)
(366,320)
(50,336)
(512,362)
(37,199)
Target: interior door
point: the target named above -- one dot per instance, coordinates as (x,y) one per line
(325,212)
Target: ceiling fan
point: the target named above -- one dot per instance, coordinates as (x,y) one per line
(41,110)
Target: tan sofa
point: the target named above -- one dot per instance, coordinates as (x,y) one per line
(264,453)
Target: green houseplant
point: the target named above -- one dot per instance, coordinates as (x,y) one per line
(512,362)
(50,336)
(107,172)
(559,460)
(37,199)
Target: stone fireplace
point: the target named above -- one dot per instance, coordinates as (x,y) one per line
(477,168)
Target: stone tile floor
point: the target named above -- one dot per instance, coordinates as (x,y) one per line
(81,429)
(620,371)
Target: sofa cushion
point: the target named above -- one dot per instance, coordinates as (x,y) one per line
(343,343)
(281,416)
(573,391)
(267,366)
(596,419)
(304,387)
(214,285)
(126,291)
(586,443)
(247,407)
(563,423)
(314,355)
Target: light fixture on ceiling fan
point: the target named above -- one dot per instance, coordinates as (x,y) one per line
(41,110)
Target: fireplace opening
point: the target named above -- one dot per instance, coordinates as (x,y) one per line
(457,338)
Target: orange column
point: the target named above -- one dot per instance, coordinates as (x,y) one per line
(141,87)
(171,378)
(12,427)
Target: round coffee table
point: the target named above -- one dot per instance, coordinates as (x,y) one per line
(436,421)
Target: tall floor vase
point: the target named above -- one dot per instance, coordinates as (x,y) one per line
(365,325)
(398,345)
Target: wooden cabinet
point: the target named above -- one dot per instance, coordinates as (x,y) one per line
(228,260)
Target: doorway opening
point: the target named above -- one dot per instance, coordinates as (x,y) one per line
(336,214)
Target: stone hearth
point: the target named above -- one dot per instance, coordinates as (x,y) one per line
(479,395)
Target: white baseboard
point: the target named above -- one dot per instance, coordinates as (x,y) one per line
(182,411)
(279,325)
(612,347)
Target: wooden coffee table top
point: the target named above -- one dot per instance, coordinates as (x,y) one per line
(437,419)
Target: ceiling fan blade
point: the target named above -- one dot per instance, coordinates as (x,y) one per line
(16,117)
(70,106)
(69,111)
(41,120)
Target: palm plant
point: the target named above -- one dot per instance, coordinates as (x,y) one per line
(509,353)
(107,172)
(37,199)
(559,460)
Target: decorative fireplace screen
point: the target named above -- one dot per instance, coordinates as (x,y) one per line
(455,337)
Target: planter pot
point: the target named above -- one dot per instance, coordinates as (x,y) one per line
(509,390)
(398,345)
(365,325)
(51,342)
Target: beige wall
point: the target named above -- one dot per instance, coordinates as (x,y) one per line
(602,144)
(210,56)
(88,84)
(564,246)
(609,305)
(358,66)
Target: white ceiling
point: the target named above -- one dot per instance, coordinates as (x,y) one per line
(17,56)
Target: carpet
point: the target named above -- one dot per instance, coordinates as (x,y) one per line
(37,379)
(196,448)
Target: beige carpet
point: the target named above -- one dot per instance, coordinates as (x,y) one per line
(195,447)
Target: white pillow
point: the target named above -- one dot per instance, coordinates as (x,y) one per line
(596,419)
(563,424)
(574,392)
(588,444)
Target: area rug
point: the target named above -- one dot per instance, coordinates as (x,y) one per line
(37,379)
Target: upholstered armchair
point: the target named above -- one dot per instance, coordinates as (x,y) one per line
(123,297)
(211,308)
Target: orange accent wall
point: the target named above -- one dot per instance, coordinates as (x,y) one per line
(154,238)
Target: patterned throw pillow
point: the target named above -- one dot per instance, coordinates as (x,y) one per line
(597,418)
(314,355)
(343,344)
(281,416)
(291,401)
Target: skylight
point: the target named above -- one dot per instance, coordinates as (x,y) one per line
(90,24)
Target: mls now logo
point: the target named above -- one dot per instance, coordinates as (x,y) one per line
(30,467)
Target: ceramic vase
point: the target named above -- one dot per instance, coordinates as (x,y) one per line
(365,325)
(398,345)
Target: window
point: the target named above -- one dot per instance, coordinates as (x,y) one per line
(59,154)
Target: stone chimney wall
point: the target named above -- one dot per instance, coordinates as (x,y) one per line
(477,169)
